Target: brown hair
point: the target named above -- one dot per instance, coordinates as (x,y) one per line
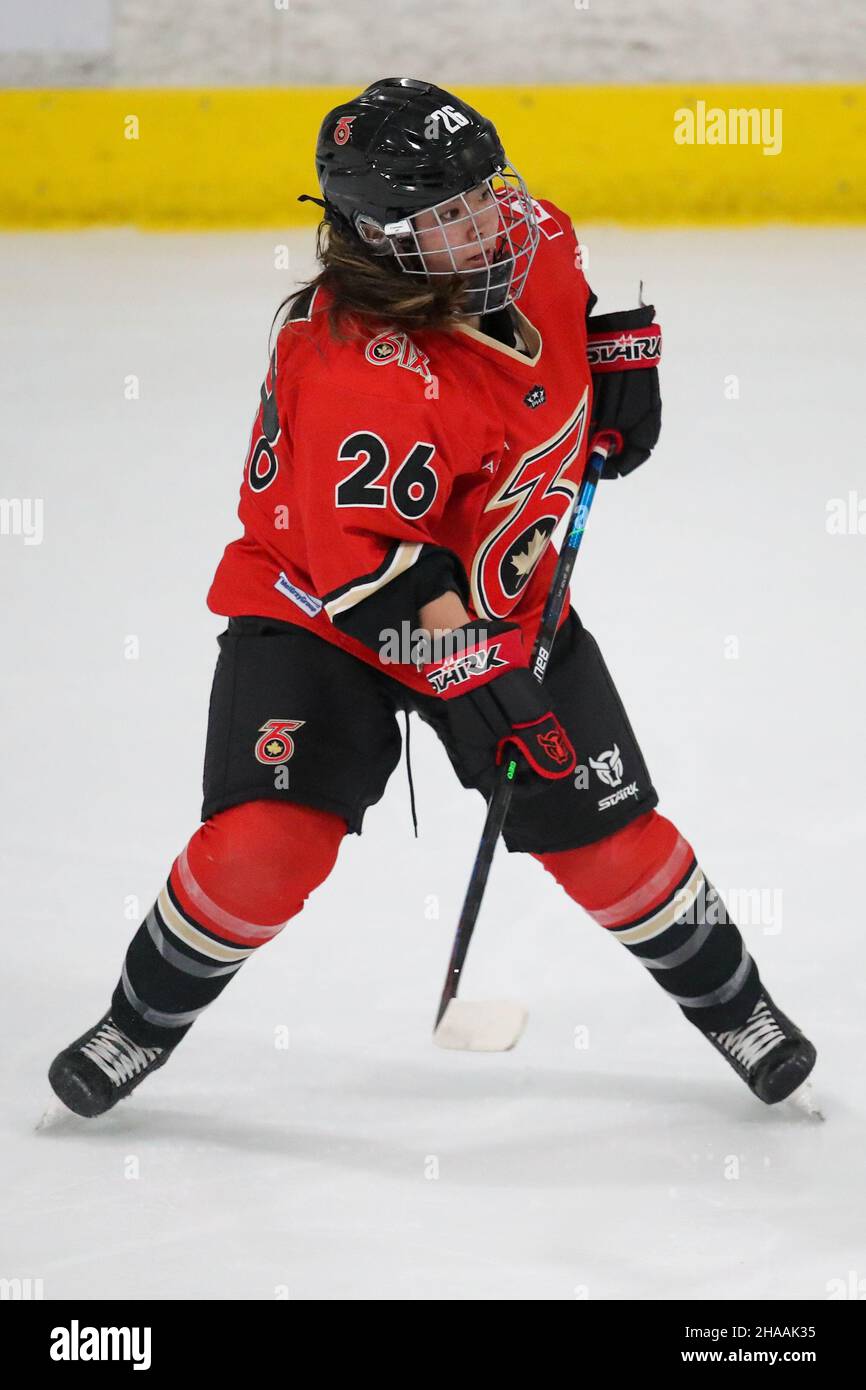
(368,289)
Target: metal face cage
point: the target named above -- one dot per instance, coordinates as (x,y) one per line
(451,228)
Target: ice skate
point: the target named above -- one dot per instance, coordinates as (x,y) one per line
(768,1051)
(102,1067)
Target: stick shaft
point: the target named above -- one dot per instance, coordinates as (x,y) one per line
(500,799)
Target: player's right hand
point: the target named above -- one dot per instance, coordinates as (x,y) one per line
(494,703)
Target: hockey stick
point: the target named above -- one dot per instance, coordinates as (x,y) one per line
(496,1025)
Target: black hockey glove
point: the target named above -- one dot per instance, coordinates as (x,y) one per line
(495,705)
(623,351)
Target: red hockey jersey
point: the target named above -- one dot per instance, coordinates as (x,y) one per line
(363,455)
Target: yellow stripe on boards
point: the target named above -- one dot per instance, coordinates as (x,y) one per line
(180,158)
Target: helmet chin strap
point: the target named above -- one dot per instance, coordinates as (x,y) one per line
(332,214)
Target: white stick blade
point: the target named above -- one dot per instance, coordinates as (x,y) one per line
(481,1026)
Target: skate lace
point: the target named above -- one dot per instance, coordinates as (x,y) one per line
(749,1043)
(117,1055)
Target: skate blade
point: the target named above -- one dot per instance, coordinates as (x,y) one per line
(803,1099)
(481,1026)
(53,1115)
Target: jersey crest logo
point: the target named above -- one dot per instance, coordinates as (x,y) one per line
(276,744)
(608,765)
(527,507)
(343,130)
(537,396)
(398,347)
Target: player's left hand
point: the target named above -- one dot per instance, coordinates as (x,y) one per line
(623,351)
(494,705)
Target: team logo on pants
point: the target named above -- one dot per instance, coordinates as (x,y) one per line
(276,744)
(608,765)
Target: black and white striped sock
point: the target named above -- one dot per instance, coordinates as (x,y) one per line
(174,967)
(696,954)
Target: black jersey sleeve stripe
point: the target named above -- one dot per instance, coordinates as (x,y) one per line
(399,557)
(397,598)
(301,306)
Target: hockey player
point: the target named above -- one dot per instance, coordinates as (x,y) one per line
(423,426)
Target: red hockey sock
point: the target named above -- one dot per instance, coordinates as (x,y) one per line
(644,885)
(241,877)
(627,874)
(249,869)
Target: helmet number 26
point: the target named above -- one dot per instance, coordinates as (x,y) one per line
(450,118)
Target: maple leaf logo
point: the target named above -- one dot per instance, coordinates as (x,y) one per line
(273,748)
(525,563)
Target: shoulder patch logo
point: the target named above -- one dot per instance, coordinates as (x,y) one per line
(398,347)
(537,396)
(547,224)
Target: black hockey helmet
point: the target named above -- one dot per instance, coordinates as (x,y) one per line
(405,147)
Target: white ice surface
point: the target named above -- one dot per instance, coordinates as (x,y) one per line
(607,1170)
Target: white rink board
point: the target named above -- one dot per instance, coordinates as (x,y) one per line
(291,43)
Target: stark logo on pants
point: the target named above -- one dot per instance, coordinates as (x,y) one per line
(276,744)
(608,766)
